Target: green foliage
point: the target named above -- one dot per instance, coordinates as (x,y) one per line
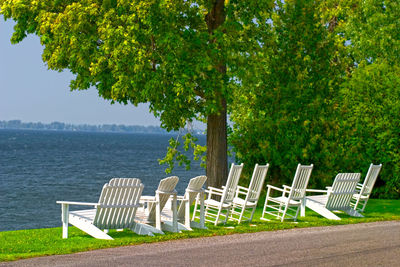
(373,26)
(174,154)
(288,114)
(328,93)
(370,96)
(370,128)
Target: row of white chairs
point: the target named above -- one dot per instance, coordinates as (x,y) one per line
(122,206)
(233,202)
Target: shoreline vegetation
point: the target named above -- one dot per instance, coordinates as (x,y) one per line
(102,128)
(22,244)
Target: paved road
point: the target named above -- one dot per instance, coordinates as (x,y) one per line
(372,244)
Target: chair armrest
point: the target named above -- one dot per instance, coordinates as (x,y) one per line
(275,188)
(78,203)
(317,190)
(147,198)
(242,188)
(214,191)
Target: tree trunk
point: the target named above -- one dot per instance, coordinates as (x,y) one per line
(217,159)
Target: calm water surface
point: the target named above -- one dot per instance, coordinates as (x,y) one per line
(37,168)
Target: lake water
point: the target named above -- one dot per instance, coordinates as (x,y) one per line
(37,168)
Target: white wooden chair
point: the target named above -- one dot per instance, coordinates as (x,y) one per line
(193,191)
(149,219)
(116,209)
(246,199)
(364,190)
(335,198)
(289,203)
(214,208)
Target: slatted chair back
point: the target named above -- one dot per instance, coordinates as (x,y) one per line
(300,181)
(231,183)
(343,189)
(118,203)
(192,190)
(257,182)
(165,189)
(370,179)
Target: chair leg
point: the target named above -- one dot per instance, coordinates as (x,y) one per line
(243,208)
(174,214)
(364,205)
(303,207)
(357,202)
(252,214)
(284,211)
(280,212)
(64,218)
(195,207)
(265,205)
(158,212)
(297,212)
(227,215)
(217,218)
(202,213)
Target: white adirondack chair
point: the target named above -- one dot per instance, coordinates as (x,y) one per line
(335,198)
(214,208)
(364,190)
(193,191)
(289,203)
(148,218)
(116,209)
(246,199)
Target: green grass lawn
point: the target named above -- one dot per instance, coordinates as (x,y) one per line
(41,242)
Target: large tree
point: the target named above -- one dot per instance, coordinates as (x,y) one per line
(182,57)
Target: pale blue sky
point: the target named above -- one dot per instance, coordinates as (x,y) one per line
(31,93)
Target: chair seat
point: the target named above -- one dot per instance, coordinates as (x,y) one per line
(321,199)
(240,201)
(87,215)
(214,203)
(284,200)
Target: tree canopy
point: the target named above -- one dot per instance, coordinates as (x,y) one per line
(182,57)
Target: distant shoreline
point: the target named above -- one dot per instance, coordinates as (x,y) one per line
(103,128)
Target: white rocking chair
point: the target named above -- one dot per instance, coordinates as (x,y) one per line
(364,190)
(289,203)
(246,199)
(116,209)
(214,208)
(149,219)
(335,198)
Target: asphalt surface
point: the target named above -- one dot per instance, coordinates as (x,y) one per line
(370,244)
